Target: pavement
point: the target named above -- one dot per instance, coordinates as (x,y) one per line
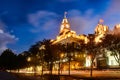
(7,76)
(95,73)
(77,74)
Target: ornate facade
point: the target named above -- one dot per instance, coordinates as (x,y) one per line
(81,60)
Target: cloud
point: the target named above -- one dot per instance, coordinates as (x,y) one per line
(42,20)
(5,37)
(83,23)
(1,31)
(112,14)
(45,20)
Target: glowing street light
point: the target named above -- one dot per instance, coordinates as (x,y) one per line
(29,59)
(61,55)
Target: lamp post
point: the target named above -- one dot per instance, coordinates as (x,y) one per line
(61,57)
(42,48)
(92,52)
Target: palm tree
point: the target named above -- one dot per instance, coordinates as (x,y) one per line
(48,53)
(69,50)
(59,53)
(42,53)
(35,55)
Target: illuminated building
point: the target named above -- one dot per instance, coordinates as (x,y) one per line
(100,28)
(67,36)
(100,31)
(107,58)
(81,59)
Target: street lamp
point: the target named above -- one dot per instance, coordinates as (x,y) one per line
(61,55)
(29,59)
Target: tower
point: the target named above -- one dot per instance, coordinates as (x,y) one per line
(65,26)
(100,28)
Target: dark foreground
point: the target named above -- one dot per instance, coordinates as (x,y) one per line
(21,76)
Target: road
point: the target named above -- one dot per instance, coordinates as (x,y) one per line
(95,73)
(7,76)
(86,73)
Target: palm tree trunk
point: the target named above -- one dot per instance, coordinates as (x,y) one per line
(18,70)
(69,66)
(59,68)
(35,70)
(42,63)
(51,66)
(91,69)
(119,60)
(42,69)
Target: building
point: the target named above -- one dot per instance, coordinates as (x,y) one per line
(81,60)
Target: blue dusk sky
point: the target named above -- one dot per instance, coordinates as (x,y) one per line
(24,22)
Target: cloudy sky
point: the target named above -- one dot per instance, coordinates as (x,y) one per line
(24,22)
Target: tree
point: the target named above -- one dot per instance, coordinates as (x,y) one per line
(93,49)
(8,60)
(35,55)
(22,60)
(61,50)
(81,49)
(42,48)
(49,56)
(112,42)
(70,51)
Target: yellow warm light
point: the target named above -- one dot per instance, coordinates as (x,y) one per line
(67,26)
(72,66)
(118,26)
(28,59)
(98,38)
(30,68)
(76,55)
(101,29)
(82,37)
(62,55)
(69,35)
(39,68)
(88,61)
(62,27)
(73,32)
